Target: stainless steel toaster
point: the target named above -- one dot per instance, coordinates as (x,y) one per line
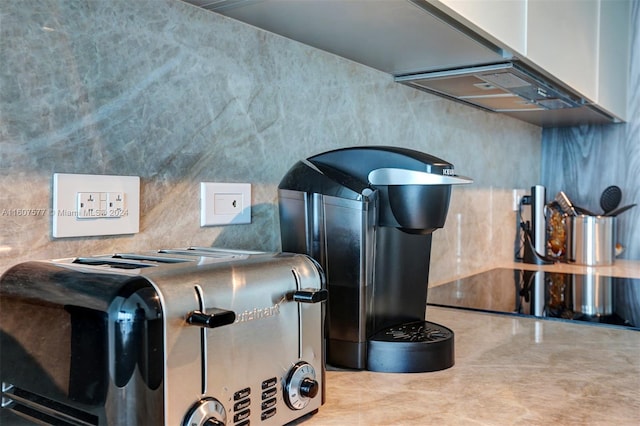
(189,337)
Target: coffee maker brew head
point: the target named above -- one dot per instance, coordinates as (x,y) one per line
(414,187)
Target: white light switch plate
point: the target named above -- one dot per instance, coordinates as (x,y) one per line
(95,205)
(225,203)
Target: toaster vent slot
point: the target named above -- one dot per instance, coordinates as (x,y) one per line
(44,410)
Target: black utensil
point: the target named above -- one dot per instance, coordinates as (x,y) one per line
(619,210)
(610,198)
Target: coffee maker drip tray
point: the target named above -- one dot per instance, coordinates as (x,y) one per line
(413,347)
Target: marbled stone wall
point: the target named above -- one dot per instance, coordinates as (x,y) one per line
(178,95)
(584,160)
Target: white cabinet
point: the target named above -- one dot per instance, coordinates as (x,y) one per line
(613,58)
(501,20)
(562,38)
(582,43)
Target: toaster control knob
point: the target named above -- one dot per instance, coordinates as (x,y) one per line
(206,412)
(309,388)
(301,386)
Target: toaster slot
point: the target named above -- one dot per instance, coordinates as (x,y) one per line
(209,318)
(128,261)
(225,252)
(305,295)
(211,253)
(203,342)
(157,259)
(96,261)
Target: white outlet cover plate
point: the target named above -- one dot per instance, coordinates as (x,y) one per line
(225,203)
(66,222)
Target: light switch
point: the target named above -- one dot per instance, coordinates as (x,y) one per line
(225,203)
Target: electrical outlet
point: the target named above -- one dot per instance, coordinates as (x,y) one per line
(228,204)
(517,196)
(225,203)
(95,205)
(88,205)
(115,204)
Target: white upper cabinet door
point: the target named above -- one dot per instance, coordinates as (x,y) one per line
(562,38)
(503,20)
(582,43)
(614,56)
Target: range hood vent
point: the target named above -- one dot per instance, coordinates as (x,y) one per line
(421,47)
(505,87)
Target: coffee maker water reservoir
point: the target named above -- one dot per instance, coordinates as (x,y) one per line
(366,214)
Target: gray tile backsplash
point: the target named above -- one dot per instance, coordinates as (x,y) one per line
(178,95)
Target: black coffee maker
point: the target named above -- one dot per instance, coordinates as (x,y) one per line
(366,214)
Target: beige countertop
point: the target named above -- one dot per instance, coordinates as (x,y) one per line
(509,370)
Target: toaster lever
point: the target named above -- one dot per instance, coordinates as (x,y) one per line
(213,318)
(310,295)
